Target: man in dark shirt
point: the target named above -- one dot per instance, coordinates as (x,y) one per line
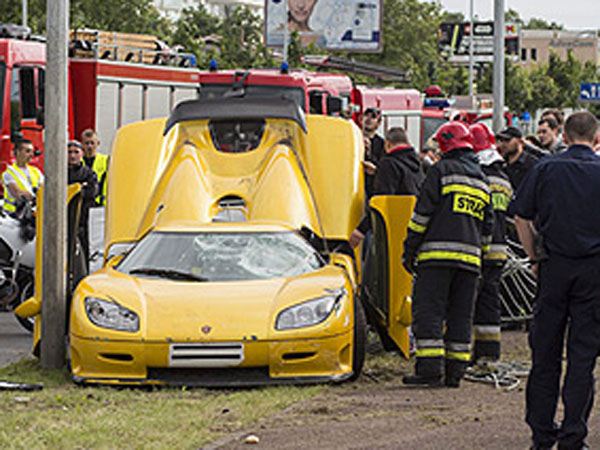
(518,161)
(556,194)
(399,173)
(374,146)
(80,173)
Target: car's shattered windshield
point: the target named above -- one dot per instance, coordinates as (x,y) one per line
(221,256)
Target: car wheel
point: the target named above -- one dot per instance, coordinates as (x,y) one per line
(360,339)
(26,290)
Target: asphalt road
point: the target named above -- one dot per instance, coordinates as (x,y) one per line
(15,341)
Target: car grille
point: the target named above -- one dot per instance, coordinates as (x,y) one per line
(210,354)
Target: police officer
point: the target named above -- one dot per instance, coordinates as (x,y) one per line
(486,322)
(97,162)
(451,225)
(557,193)
(20,179)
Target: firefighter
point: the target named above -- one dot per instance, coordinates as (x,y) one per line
(20,179)
(486,322)
(97,162)
(448,231)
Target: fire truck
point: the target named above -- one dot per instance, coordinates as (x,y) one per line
(398,107)
(439,109)
(315,93)
(113,79)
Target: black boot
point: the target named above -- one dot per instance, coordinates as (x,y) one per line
(419,380)
(452,382)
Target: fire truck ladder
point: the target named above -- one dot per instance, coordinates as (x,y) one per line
(381,73)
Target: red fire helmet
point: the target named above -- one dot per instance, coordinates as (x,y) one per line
(483,138)
(453,135)
(434,91)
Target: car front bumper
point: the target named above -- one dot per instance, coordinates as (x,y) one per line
(257,363)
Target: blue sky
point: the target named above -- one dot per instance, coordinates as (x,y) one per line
(573,14)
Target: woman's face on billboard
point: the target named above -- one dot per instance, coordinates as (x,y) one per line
(300,10)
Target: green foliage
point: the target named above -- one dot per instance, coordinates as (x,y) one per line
(190,31)
(11,12)
(242,44)
(65,416)
(132,16)
(536,23)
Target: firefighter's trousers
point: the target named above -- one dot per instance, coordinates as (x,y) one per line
(443,295)
(568,301)
(486,321)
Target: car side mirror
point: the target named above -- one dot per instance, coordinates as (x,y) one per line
(334,105)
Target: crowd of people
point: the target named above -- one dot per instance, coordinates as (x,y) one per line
(86,166)
(467,185)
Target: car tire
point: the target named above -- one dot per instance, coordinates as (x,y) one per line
(359,340)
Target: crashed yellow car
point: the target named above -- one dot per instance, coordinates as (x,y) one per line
(227,255)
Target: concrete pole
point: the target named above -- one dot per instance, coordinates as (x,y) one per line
(25,13)
(498,117)
(286,31)
(54,227)
(471,37)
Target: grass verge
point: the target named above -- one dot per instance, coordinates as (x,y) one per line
(64,415)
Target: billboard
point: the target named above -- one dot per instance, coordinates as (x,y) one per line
(353,25)
(454,40)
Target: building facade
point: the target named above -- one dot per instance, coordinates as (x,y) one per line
(537,45)
(219,8)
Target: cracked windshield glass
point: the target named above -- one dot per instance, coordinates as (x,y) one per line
(222,256)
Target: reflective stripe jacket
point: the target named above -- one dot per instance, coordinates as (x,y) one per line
(27,179)
(501,191)
(453,219)
(100,167)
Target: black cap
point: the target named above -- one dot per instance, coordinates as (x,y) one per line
(509,133)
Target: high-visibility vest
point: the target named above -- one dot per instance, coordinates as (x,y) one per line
(100,167)
(27,180)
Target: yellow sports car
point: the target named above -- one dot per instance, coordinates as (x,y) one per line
(227,255)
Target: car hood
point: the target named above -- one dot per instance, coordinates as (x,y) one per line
(190,311)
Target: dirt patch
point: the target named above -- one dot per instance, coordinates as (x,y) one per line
(378,411)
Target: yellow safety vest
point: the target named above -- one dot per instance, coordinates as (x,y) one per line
(27,180)
(100,167)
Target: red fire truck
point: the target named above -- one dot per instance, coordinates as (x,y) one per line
(114,79)
(398,107)
(317,93)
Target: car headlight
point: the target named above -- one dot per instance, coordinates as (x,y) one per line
(109,314)
(309,313)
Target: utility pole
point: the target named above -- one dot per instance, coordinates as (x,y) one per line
(498,117)
(25,13)
(54,229)
(286,31)
(471,37)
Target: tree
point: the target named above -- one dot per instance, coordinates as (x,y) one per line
(191,29)
(536,23)
(242,40)
(513,16)
(132,16)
